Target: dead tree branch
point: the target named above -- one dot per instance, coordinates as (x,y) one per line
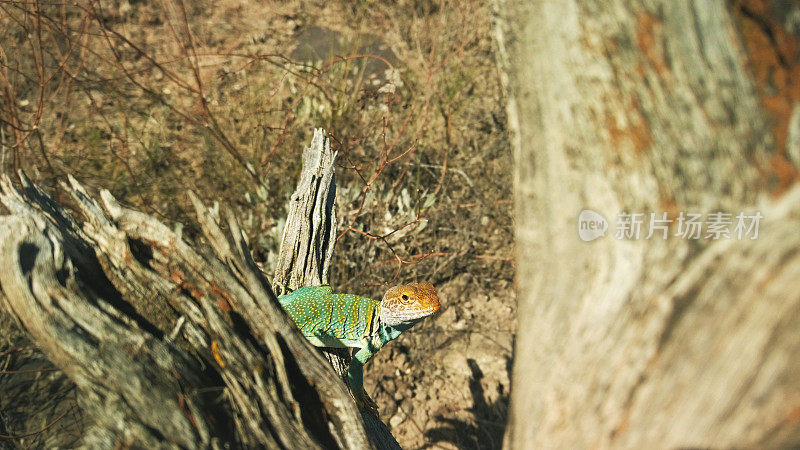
(167,343)
(307,248)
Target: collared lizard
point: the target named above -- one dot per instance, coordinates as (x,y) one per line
(327,319)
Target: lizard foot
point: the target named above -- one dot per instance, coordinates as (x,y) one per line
(364,402)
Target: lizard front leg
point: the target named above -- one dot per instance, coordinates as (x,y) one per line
(355,377)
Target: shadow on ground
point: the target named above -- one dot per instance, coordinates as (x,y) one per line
(485,429)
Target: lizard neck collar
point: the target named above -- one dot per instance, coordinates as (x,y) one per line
(389,332)
(390,326)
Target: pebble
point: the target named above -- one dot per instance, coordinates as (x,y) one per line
(397,419)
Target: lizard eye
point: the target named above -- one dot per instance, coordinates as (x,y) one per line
(405,297)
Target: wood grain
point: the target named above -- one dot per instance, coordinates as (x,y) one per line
(170,344)
(645,106)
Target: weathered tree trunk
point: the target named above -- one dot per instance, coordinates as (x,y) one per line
(307,247)
(169,345)
(647,106)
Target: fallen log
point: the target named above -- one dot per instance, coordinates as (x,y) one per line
(168,343)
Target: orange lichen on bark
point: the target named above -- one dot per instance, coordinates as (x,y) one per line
(224,306)
(176,277)
(669,206)
(180,281)
(774,60)
(224,301)
(649,38)
(185,408)
(217,356)
(794,416)
(622,427)
(635,133)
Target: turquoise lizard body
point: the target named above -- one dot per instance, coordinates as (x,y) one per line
(328,319)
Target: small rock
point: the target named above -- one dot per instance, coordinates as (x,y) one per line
(401,360)
(397,419)
(456,363)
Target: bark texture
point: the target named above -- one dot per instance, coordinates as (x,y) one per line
(647,106)
(306,251)
(169,345)
(310,232)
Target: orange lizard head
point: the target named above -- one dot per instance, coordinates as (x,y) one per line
(409,303)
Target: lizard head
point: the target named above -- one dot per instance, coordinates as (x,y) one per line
(408,304)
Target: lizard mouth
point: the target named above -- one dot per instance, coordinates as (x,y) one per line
(432,307)
(427,311)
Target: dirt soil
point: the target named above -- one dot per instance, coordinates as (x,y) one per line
(447,384)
